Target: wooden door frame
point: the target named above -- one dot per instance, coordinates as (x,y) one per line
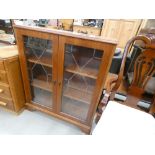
(23,62)
(108,49)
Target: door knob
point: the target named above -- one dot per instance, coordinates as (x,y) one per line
(1,90)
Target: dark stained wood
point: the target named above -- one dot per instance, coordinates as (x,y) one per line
(152,110)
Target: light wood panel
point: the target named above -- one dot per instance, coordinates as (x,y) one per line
(111,29)
(15,82)
(129,28)
(5,91)
(2,64)
(8,51)
(120,29)
(11,86)
(3,76)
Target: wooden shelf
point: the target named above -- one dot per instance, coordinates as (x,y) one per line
(69,92)
(42,85)
(43,98)
(44,60)
(78,89)
(74,108)
(87,72)
(78,95)
(38,48)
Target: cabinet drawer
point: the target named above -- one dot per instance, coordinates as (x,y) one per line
(5,91)
(3,77)
(1,65)
(6,103)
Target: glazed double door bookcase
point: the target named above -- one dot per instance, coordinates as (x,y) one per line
(63,73)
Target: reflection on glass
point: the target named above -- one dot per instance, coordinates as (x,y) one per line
(80,74)
(39,61)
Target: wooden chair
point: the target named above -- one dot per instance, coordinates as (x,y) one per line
(144,69)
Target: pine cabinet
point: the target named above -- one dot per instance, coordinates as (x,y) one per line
(111,29)
(120,29)
(11,87)
(63,72)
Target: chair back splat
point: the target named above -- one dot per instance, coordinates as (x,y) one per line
(144,69)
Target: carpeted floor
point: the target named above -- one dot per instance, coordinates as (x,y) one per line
(35,123)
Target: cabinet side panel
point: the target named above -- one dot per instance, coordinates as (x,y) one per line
(15,81)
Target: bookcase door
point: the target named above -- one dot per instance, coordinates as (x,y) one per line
(82,61)
(38,53)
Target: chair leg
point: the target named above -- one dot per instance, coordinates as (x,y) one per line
(100,110)
(152,110)
(97,117)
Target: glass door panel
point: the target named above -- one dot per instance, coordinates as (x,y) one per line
(39,61)
(81,66)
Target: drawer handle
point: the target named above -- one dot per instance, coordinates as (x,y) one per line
(3,103)
(1,90)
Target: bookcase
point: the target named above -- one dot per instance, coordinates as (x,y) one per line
(63,72)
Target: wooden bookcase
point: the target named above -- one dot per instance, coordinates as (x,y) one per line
(63,72)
